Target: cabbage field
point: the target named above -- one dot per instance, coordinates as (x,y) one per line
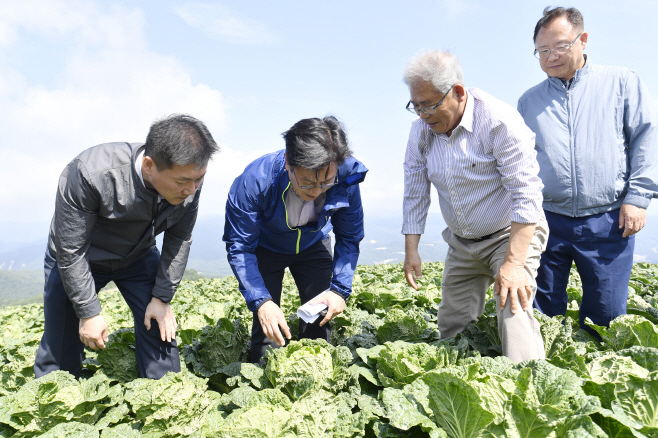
(385,373)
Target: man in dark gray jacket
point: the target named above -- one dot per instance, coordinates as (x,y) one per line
(112,200)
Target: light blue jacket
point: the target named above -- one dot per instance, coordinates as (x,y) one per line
(256,215)
(596,140)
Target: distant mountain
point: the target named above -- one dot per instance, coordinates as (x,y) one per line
(19,287)
(28,256)
(383,243)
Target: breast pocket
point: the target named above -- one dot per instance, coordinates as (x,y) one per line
(474,169)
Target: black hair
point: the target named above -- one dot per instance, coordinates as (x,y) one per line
(314,144)
(179,139)
(573,15)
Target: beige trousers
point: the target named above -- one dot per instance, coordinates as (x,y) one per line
(470,268)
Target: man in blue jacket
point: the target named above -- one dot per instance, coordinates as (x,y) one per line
(279,214)
(596,147)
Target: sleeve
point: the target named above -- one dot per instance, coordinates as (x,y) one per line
(640,124)
(417,185)
(175,252)
(513,146)
(519,107)
(76,209)
(348,229)
(241,233)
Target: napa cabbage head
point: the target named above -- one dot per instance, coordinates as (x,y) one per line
(310,364)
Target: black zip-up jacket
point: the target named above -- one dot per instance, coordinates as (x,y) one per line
(105,219)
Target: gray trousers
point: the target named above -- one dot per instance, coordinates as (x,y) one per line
(470,268)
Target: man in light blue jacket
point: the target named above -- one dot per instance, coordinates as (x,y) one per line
(596,147)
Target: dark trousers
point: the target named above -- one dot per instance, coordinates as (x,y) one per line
(604,260)
(61,348)
(312,272)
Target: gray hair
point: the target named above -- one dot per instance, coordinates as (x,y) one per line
(180,140)
(440,68)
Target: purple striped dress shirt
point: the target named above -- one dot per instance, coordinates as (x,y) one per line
(485,173)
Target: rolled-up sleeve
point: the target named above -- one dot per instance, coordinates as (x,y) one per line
(417,185)
(513,146)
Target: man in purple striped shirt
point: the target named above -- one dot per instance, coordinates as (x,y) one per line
(479,154)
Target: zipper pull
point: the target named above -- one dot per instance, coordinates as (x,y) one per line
(153,215)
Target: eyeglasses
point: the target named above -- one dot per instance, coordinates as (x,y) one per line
(559,50)
(322,186)
(429,110)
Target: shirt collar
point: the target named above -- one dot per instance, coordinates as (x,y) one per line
(469,113)
(138,169)
(467,118)
(138,166)
(580,73)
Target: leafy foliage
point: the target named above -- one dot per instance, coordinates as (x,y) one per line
(386,372)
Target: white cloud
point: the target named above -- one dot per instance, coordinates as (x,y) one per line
(110,87)
(222,170)
(217,20)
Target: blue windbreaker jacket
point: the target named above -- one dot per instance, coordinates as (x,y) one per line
(256,216)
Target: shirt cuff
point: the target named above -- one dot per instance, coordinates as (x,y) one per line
(164,298)
(637,201)
(259,305)
(339,294)
(344,295)
(413,229)
(88,310)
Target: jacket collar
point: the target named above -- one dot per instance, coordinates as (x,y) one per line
(580,75)
(138,180)
(352,171)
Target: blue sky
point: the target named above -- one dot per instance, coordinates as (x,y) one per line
(78,73)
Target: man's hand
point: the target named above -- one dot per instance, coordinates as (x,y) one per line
(632,219)
(512,281)
(412,263)
(164,315)
(93,332)
(335,305)
(271,319)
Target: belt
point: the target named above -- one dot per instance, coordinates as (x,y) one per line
(488,236)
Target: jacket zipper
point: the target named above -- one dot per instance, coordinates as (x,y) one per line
(155,211)
(285,208)
(572,146)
